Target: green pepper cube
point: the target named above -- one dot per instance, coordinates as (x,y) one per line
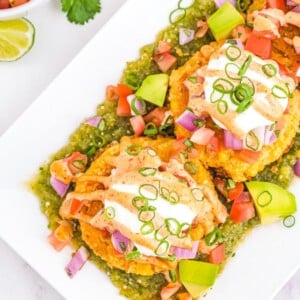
(197,276)
(154,89)
(224,20)
(271,201)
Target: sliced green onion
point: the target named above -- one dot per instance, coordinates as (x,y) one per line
(133,255)
(151,152)
(139,202)
(165,193)
(177,15)
(135,109)
(184,230)
(147,171)
(150,129)
(174,197)
(134,149)
(279,92)
(90,151)
(244,105)
(272,127)
(109,213)
(233,52)
(199,123)
(245,65)
(78,164)
(171,257)
(242,5)
(197,194)
(264,199)
(190,167)
(231,42)
(192,79)
(213,237)
(290,95)
(146,189)
(215,96)
(172,275)
(172,225)
(222,107)
(269,70)
(223,85)
(249,138)
(188,143)
(158,236)
(247,81)
(162,248)
(289,221)
(181,4)
(102,125)
(147,214)
(232,68)
(230,183)
(147,228)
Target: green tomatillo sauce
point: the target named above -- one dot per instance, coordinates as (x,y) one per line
(89,140)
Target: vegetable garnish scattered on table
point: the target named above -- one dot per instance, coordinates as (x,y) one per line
(80,11)
(195,146)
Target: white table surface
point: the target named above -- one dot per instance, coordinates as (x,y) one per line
(57,43)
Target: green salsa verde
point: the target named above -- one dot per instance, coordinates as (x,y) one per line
(89,140)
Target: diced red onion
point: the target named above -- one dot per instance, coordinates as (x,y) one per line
(60,187)
(186,253)
(202,136)
(270,136)
(118,239)
(138,105)
(296,9)
(93,121)
(240,44)
(290,3)
(219,3)
(186,35)
(297,167)
(77,261)
(187,119)
(231,142)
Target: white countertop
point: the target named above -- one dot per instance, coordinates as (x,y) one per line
(57,42)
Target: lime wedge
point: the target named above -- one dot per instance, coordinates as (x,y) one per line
(16,39)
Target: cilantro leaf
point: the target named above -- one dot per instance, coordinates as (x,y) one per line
(80,11)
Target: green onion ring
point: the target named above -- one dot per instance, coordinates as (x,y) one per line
(145,171)
(212,98)
(185,7)
(247,81)
(184,230)
(244,105)
(242,6)
(146,214)
(269,70)
(109,213)
(236,52)
(227,71)
(222,107)
(78,164)
(213,237)
(150,129)
(172,225)
(192,79)
(139,202)
(133,255)
(190,167)
(102,125)
(172,275)
(245,65)
(151,152)
(251,135)
(230,183)
(162,248)
(145,188)
(135,109)
(147,228)
(134,149)
(220,85)
(177,15)
(264,199)
(279,92)
(197,194)
(289,221)
(174,197)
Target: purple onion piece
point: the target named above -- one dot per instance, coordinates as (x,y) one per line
(93,121)
(120,242)
(297,168)
(60,187)
(231,142)
(183,253)
(219,3)
(296,9)
(270,136)
(186,35)
(77,261)
(187,120)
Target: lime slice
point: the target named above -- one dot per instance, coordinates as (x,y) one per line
(16,39)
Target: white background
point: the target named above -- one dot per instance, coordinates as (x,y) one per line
(57,42)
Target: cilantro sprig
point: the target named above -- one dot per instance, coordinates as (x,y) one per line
(80,11)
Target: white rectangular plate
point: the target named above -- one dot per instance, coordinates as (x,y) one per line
(263,262)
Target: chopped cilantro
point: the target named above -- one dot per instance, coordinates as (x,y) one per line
(80,11)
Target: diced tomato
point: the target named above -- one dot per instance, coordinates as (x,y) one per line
(56,243)
(123,90)
(169,290)
(235,192)
(242,211)
(123,107)
(258,45)
(165,61)
(163,47)
(280,4)
(213,145)
(138,125)
(241,32)
(268,34)
(248,156)
(202,136)
(75,206)
(156,116)
(111,92)
(77,162)
(184,296)
(61,236)
(4,4)
(217,255)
